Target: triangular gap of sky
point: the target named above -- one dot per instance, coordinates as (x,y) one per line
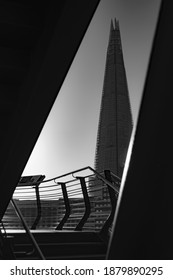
(68,139)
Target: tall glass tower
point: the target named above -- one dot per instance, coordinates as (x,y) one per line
(115,123)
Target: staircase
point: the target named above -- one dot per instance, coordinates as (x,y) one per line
(73,223)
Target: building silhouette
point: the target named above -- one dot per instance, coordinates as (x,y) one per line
(115,123)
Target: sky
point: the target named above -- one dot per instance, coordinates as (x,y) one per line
(68,139)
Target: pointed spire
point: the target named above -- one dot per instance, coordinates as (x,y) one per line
(116,24)
(111,31)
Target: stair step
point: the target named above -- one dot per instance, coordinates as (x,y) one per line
(60,245)
(65,248)
(72,257)
(56,237)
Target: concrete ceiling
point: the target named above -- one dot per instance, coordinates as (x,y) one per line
(37,45)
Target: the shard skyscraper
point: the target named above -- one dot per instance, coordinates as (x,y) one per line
(115,123)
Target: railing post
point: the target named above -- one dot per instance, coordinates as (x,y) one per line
(113,200)
(38,207)
(87,204)
(36,246)
(67,207)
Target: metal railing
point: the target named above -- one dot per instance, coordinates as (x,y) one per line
(79,200)
(33,241)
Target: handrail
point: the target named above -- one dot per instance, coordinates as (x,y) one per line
(105,180)
(77,171)
(27,230)
(57,177)
(71,205)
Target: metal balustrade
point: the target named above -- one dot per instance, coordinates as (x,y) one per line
(79,200)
